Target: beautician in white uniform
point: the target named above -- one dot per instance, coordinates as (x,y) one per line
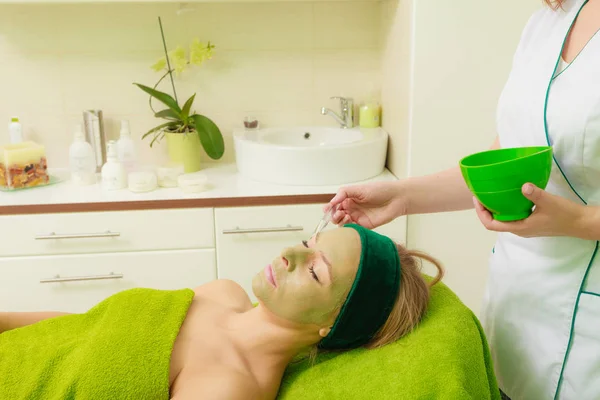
(541,310)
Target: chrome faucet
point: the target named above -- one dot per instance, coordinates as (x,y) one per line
(346,120)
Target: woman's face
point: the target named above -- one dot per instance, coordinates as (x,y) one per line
(309,282)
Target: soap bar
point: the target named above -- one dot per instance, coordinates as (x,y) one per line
(23,165)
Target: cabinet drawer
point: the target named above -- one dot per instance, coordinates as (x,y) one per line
(98,232)
(249,238)
(33,283)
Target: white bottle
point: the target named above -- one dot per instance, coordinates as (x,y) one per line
(126,148)
(81,159)
(114,176)
(15,130)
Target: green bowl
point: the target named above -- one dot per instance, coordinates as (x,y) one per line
(506,205)
(507,169)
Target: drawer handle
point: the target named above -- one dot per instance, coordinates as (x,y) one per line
(239,230)
(57,278)
(52,235)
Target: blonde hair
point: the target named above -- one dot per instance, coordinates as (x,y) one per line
(410,305)
(412,300)
(554,4)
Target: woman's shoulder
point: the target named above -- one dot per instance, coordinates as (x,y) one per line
(542,25)
(226,292)
(546,17)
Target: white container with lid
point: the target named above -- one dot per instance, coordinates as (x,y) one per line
(142,181)
(114,176)
(168,174)
(193,183)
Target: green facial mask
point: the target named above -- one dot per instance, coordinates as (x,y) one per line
(298,296)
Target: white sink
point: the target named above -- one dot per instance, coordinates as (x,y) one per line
(310,156)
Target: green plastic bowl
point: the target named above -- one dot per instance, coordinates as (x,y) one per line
(506,169)
(507,205)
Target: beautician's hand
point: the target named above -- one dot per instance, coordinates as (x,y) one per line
(552,216)
(370,205)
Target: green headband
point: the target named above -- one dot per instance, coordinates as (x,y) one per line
(372,296)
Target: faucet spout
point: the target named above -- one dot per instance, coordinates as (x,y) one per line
(346,119)
(327,111)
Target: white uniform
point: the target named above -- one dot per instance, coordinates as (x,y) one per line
(541,311)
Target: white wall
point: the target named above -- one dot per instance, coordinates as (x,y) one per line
(278,61)
(461,56)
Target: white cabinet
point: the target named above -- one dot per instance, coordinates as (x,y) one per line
(249,238)
(77,282)
(97,232)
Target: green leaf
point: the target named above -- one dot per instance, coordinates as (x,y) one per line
(210,136)
(159,127)
(162,97)
(167,114)
(157,137)
(185,111)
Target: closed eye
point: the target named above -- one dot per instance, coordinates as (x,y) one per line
(312,267)
(312,272)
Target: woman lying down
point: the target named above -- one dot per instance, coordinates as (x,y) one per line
(346,288)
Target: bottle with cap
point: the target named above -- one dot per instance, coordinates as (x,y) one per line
(15,130)
(126,148)
(81,159)
(114,176)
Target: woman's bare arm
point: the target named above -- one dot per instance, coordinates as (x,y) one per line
(439,192)
(14,320)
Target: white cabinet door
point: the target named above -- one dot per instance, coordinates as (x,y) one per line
(34,283)
(100,232)
(249,238)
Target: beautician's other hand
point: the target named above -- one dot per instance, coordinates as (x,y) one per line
(553,216)
(370,205)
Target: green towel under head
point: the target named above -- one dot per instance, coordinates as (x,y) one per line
(445,358)
(119,349)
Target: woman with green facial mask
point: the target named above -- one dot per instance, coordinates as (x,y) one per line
(346,288)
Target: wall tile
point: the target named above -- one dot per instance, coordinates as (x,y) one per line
(30,82)
(253,26)
(119,28)
(254,81)
(106,82)
(351,25)
(30,28)
(348,73)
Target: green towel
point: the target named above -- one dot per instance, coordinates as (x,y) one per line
(446,357)
(119,349)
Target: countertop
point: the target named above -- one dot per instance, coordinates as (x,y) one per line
(227,188)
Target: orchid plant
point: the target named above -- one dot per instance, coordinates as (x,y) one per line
(181,119)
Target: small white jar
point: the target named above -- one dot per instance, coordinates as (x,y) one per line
(193,183)
(167,175)
(142,181)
